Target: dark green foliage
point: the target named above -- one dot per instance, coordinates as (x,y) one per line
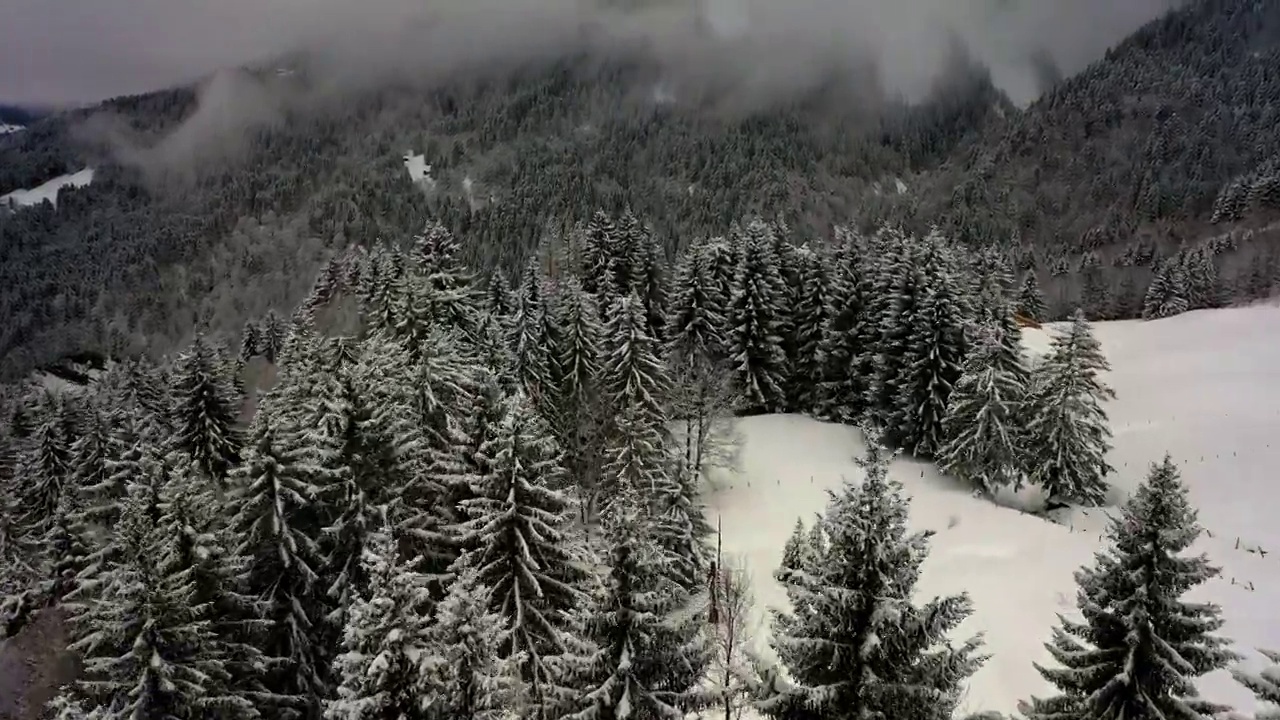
(1140,646)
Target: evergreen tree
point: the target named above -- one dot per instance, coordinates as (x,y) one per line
(984,434)
(647,655)
(1031,300)
(1167,294)
(696,318)
(1139,647)
(147,646)
(519,548)
(936,350)
(846,335)
(754,339)
(468,677)
(276,525)
(195,544)
(1265,685)
(46,469)
(384,669)
(1067,432)
(899,283)
(577,392)
(365,440)
(856,645)
(810,322)
(531,343)
(633,374)
(205,412)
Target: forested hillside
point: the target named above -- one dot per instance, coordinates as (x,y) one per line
(1095,187)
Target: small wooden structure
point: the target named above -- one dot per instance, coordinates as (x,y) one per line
(1024,321)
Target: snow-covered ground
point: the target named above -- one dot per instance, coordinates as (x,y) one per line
(47,191)
(1204,386)
(6,128)
(419,170)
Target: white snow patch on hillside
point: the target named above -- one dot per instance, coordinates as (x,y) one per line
(47,191)
(6,128)
(1204,386)
(419,170)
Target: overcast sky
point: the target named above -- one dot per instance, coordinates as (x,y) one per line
(74,51)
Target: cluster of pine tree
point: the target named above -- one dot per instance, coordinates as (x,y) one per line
(484,501)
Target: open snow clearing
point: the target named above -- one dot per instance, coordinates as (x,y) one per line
(1203,386)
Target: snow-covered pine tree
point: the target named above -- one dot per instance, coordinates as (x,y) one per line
(633,374)
(449,286)
(272,335)
(647,281)
(795,555)
(1139,647)
(146,645)
(1265,686)
(387,649)
(276,524)
(194,542)
(899,281)
(844,378)
(518,544)
(1067,432)
(754,338)
(577,400)
(936,350)
(468,675)
(530,343)
(366,438)
(1031,300)
(983,428)
(809,321)
(858,595)
(205,411)
(696,313)
(45,468)
(649,649)
(1167,294)
(598,240)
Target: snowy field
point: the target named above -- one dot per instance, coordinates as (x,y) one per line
(1204,386)
(47,191)
(7,129)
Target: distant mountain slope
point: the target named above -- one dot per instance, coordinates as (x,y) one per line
(1143,140)
(512,156)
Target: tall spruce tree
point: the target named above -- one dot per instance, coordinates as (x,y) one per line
(1139,646)
(195,543)
(846,335)
(578,413)
(696,316)
(204,414)
(1031,300)
(856,645)
(146,644)
(519,547)
(936,349)
(1067,431)
(754,339)
(983,428)
(468,677)
(276,524)
(648,656)
(809,321)
(383,669)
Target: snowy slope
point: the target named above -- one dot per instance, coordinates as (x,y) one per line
(5,128)
(1204,386)
(47,191)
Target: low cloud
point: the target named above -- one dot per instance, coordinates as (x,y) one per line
(74,52)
